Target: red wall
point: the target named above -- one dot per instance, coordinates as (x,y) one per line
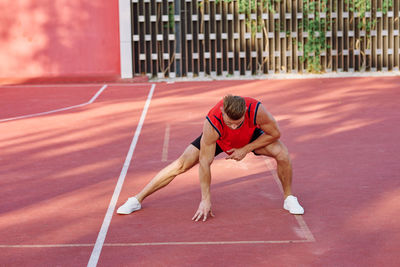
(58,39)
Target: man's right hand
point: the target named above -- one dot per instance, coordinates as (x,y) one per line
(203,211)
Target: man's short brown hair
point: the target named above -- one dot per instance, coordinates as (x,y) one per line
(234,106)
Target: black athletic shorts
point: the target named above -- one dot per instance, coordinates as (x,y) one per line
(257,132)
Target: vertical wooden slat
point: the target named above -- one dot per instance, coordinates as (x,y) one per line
(328,34)
(379,37)
(248,42)
(236,36)
(385,42)
(183,41)
(373,38)
(257,43)
(294,35)
(304,34)
(282,36)
(189,38)
(201,35)
(334,50)
(231,42)
(153,40)
(328,63)
(345,29)
(171,39)
(321,15)
(212,38)
(272,34)
(396,52)
(142,20)
(159,38)
(135,37)
(147,36)
(389,48)
(223,37)
(207,37)
(299,34)
(356,40)
(242,44)
(218,41)
(368,42)
(195,31)
(340,35)
(265,40)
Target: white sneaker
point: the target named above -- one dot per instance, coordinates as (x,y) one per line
(131,205)
(292,205)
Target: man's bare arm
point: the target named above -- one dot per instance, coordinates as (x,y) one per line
(207,152)
(271,134)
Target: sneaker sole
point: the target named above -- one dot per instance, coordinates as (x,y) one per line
(126,213)
(294,213)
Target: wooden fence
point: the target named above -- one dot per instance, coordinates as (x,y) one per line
(176,38)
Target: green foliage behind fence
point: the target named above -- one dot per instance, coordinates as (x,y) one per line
(247,37)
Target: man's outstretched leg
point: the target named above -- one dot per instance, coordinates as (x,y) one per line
(186,161)
(279,152)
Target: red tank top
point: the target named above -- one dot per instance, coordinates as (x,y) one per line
(229,138)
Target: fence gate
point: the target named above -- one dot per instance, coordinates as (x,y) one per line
(176,38)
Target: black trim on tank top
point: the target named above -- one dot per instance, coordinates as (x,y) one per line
(212,124)
(219,121)
(255,112)
(248,111)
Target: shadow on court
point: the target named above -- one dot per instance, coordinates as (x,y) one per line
(59,173)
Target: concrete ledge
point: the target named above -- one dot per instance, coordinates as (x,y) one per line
(72,79)
(279,76)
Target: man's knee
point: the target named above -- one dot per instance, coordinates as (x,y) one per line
(282,154)
(276,150)
(181,166)
(186,161)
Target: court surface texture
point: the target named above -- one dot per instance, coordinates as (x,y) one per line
(70,154)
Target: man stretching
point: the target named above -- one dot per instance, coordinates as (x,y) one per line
(237,126)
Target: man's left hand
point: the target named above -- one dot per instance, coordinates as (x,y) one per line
(237,153)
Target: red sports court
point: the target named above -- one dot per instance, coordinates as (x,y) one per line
(72,153)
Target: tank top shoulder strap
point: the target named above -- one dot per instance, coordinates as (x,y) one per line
(252,109)
(214,117)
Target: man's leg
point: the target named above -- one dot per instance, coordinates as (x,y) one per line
(279,152)
(186,161)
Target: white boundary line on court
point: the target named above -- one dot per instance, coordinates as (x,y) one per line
(71,85)
(94,257)
(161,244)
(206,243)
(60,109)
(47,246)
(164,155)
(303,226)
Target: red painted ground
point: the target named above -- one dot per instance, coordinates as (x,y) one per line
(59,172)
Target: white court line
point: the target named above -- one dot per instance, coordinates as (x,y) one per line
(58,110)
(160,244)
(94,257)
(70,85)
(205,243)
(47,246)
(303,226)
(164,156)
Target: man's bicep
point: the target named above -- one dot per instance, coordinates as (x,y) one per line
(208,141)
(267,122)
(210,135)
